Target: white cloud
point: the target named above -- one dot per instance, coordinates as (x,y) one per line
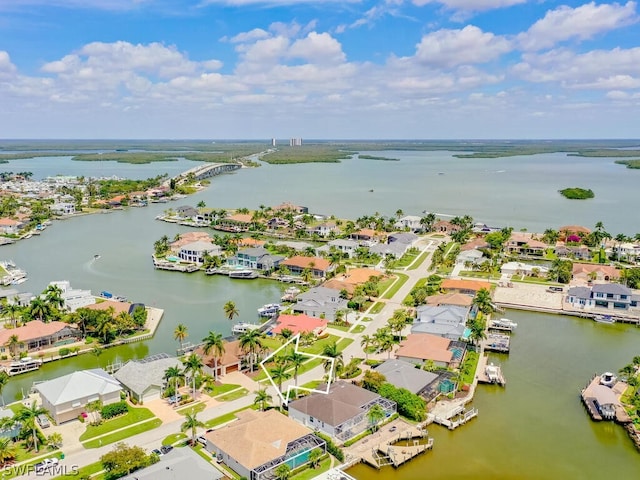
(275,3)
(6,67)
(448,48)
(250,36)
(581,23)
(74,4)
(471,5)
(317,48)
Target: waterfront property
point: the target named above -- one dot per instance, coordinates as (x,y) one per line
(418,348)
(230,360)
(404,374)
(594,272)
(345,246)
(367,237)
(601,397)
(520,243)
(74,298)
(36,335)
(67,397)
(255,258)
(448,321)
(299,324)
(450,299)
(320,302)
(144,380)
(195,252)
(257,443)
(409,222)
(468,287)
(609,296)
(342,413)
(319,267)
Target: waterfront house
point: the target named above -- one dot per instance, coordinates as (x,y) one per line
(319,267)
(403,374)
(452,299)
(36,335)
(520,243)
(295,245)
(144,380)
(194,252)
(320,302)
(63,208)
(290,207)
(594,272)
(606,296)
(299,324)
(417,348)
(352,278)
(187,238)
(579,252)
(627,251)
(409,222)
(342,413)
(478,243)
(445,321)
(73,298)
(575,230)
(249,242)
(442,226)
(239,222)
(345,246)
(67,397)
(9,226)
(176,464)
(468,287)
(257,443)
(367,237)
(519,268)
(256,258)
(116,307)
(230,361)
(406,238)
(186,212)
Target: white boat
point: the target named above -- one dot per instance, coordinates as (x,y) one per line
(96,256)
(18,281)
(26,364)
(608,379)
(269,310)
(503,323)
(243,327)
(290,294)
(604,319)
(245,273)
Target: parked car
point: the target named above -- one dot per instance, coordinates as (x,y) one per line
(174,398)
(157,452)
(46,463)
(201,440)
(166,448)
(43,421)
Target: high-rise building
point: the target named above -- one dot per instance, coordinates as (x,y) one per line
(295,142)
(273,142)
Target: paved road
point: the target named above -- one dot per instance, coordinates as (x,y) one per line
(153,438)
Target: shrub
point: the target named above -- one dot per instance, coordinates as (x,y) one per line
(114,409)
(332,448)
(81,418)
(63,352)
(409,404)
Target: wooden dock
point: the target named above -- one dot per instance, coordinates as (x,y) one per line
(490,373)
(456,417)
(496,342)
(390,453)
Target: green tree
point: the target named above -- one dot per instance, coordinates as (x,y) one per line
(262,399)
(53,296)
(334,363)
(483,302)
(28,415)
(192,423)
(314,457)
(214,344)
(279,374)
(180,333)
(230,310)
(251,344)
(375,415)
(123,460)
(4,379)
(366,341)
(54,440)
(14,344)
(175,374)
(295,360)
(193,366)
(39,309)
(283,472)
(478,332)
(8,450)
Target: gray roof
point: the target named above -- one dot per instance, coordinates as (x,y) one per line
(403,237)
(445,314)
(344,401)
(253,251)
(396,249)
(294,245)
(580,292)
(439,329)
(179,463)
(611,289)
(344,242)
(78,385)
(321,298)
(139,376)
(405,375)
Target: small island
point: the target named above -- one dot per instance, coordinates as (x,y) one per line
(577,193)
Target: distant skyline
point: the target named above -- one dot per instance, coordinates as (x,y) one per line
(319,69)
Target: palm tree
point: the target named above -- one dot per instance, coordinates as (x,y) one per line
(483,302)
(365,342)
(375,415)
(283,472)
(4,379)
(192,423)
(180,334)
(12,309)
(28,416)
(54,440)
(53,296)
(251,343)
(384,340)
(104,328)
(193,366)
(295,360)
(262,398)
(13,344)
(478,332)
(335,358)
(173,373)
(279,374)
(8,450)
(314,457)
(39,309)
(230,310)
(214,343)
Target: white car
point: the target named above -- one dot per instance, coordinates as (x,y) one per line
(46,463)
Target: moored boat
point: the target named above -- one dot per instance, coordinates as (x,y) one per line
(269,310)
(26,364)
(243,327)
(245,273)
(604,319)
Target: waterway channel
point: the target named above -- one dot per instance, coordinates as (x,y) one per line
(535,428)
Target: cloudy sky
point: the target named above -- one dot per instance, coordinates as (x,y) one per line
(325,69)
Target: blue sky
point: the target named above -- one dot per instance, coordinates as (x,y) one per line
(348,69)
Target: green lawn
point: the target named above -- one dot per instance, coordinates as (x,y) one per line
(122,434)
(358,329)
(402,279)
(469,367)
(406,259)
(367,319)
(197,407)
(423,256)
(135,415)
(220,389)
(343,328)
(227,417)
(85,472)
(233,395)
(312,384)
(377,308)
(309,473)
(173,438)
(384,284)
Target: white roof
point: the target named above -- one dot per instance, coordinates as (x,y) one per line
(77,386)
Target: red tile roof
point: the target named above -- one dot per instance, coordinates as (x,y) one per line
(299,324)
(424,346)
(118,307)
(454,284)
(32,330)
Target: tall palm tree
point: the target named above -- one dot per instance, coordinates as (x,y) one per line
(296,360)
(262,399)
(279,374)
(375,415)
(384,340)
(251,343)
(483,301)
(230,310)
(104,328)
(180,334)
(365,342)
(192,423)
(13,344)
(213,343)
(12,309)
(39,309)
(53,296)
(193,366)
(331,350)
(173,373)
(28,416)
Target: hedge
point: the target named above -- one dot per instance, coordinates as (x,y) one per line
(114,409)
(332,448)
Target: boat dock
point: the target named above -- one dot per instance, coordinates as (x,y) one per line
(456,417)
(502,325)
(603,402)
(174,267)
(490,373)
(395,449)
(497,342)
